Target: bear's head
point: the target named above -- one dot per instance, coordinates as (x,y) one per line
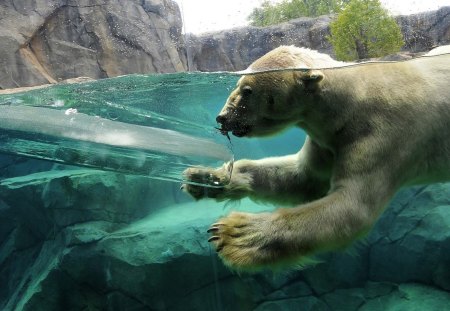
(276,93)
(267,103)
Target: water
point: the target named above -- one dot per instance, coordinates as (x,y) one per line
(99,164)
(154,126)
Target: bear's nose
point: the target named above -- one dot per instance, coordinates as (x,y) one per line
(220,119)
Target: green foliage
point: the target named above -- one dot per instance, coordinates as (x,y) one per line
(269,14)
(364,29)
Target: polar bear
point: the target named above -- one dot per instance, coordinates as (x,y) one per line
(372,128)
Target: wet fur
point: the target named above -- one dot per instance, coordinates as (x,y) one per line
(372,129)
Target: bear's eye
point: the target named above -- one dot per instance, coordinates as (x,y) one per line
(246,90)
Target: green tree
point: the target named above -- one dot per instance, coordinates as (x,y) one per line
(269,14)
(364,29)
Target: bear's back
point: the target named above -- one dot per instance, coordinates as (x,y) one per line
(288,57)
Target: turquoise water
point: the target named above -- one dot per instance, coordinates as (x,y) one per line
(94,221)
(151,126)
(154,126)
(129,124)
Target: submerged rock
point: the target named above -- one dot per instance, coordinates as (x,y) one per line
(45,215)
(71,239)
(412,240)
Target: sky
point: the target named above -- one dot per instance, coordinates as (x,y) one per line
(210,15)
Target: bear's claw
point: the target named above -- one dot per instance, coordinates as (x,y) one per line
(213,238)
(215,227)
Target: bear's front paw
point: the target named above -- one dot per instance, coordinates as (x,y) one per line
(197,177)
(249,241)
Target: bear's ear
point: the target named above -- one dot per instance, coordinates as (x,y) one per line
(309,79)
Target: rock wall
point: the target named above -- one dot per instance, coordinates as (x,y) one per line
(236,49)
(48,41)
(424,30)
(45,41)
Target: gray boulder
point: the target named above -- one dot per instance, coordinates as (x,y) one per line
(48,41)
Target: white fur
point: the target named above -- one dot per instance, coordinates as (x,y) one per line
(439,50)
(372,129)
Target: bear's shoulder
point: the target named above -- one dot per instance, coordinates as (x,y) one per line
(289,56)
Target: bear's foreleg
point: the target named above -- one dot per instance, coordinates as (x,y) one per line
(248,241)
(286,180)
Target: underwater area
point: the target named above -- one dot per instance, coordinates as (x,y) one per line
(89,223)
(105,104)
